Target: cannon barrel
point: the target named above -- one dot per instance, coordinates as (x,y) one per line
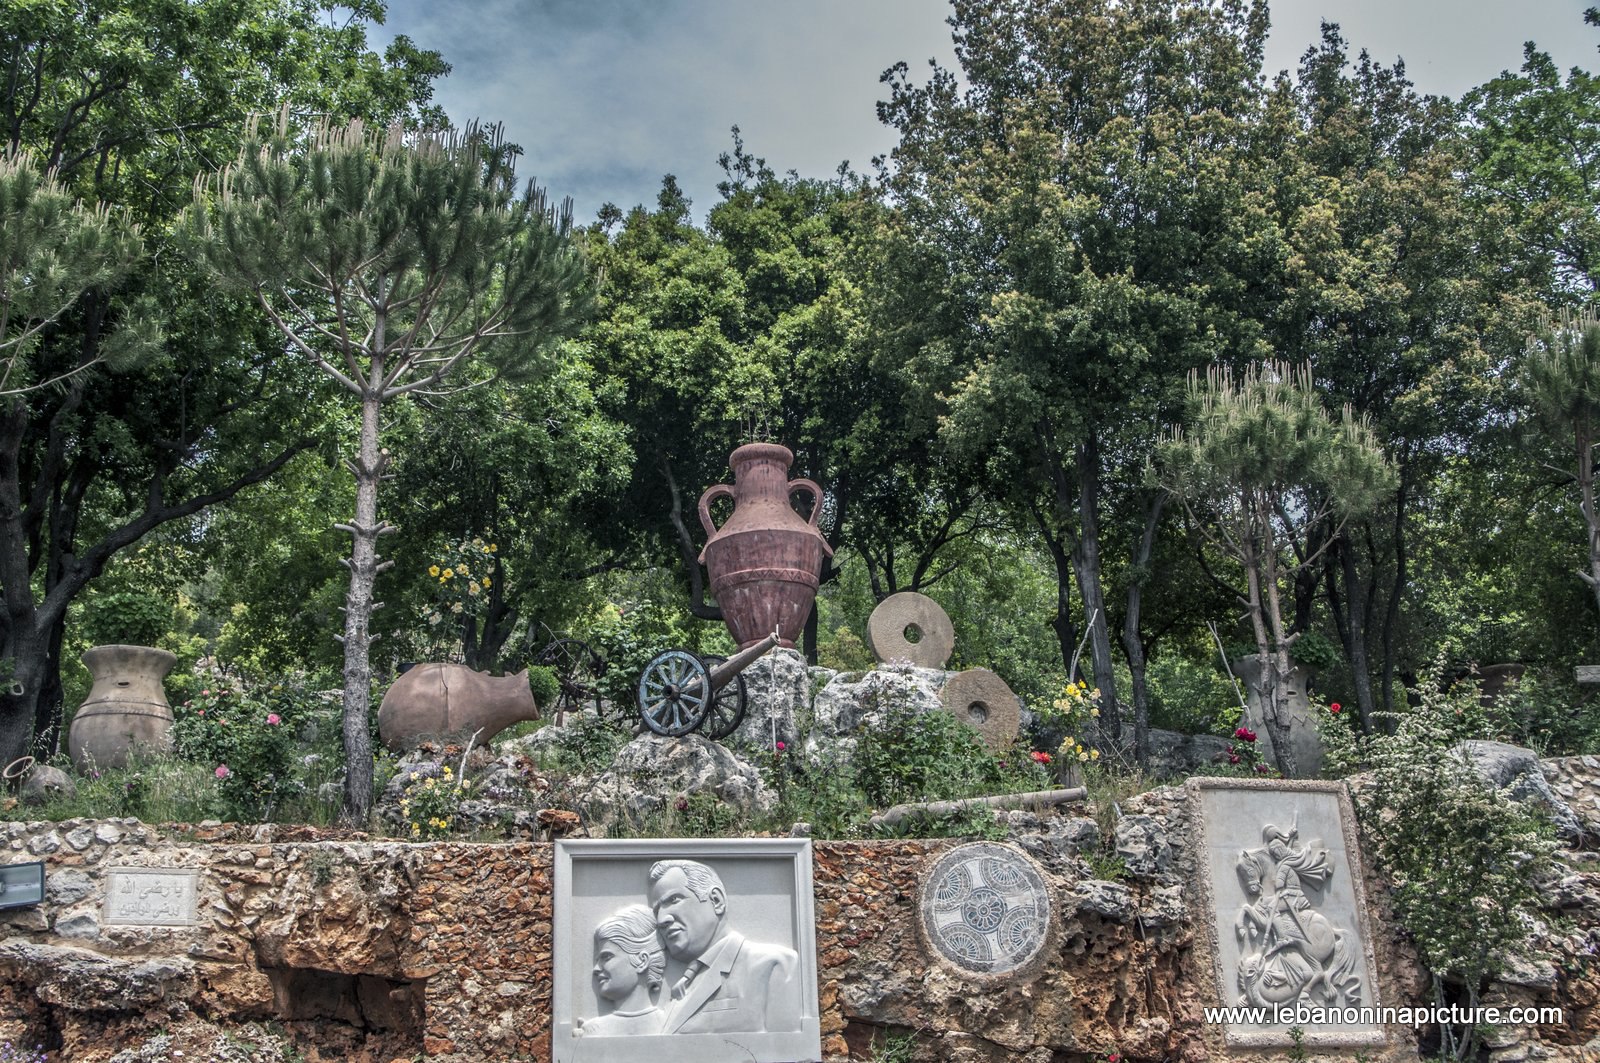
(723,673)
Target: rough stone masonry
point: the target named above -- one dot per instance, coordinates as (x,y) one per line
(349,948)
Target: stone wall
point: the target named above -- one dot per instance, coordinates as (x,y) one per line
(357,949)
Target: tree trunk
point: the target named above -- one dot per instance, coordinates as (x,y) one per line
(1257,545)
(1358,599)
(1086,563)
(1132,644)
(364,567)
(1066,631)
(1585,444)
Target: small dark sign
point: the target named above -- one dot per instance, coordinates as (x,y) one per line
(21,884)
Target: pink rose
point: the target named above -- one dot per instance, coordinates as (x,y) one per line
(781,747)
(222,771)
(274,719)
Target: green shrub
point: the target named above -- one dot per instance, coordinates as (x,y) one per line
(932,756)
(1463,858)
(246,739)
(128,617)
(543,684)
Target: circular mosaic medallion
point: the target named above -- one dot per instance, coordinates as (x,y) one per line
(985,908)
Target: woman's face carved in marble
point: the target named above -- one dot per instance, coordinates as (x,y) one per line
(616,972)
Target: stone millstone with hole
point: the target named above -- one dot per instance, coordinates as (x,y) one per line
(888,625)
(982,700)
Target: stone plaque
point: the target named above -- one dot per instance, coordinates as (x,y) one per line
(1282,874)
(151,896)
(985,909)
(683,951)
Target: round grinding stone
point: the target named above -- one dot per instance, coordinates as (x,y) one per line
(902,617)
(983,701)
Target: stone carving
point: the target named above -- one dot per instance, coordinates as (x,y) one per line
(629,962)
(917,615)
(983,701)
(1289,952)
(687,950)
(1281,875)
(139,896)
(985,909)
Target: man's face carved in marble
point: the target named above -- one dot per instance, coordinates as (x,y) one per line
(687,923)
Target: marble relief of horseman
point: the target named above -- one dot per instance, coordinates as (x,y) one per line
(1289,952)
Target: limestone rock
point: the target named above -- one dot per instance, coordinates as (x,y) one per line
(1109,900)
(80,980)
(862,701)
(1174,755)
(652,769)
(778,685)
(1055,841)
(1515,770)
(44,783)
(1142,844)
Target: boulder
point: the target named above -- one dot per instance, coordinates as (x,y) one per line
(857,701)
(653,770)
(81,980)
(1516,771)
(778,688)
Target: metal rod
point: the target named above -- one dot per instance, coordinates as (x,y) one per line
(1036,799)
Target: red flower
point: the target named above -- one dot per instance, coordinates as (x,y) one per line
(1262,769)
(1245,734)
(1334,708)
(1112,1057)
(1040,758)
(781,746)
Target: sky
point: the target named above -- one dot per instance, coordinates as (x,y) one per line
(606,96)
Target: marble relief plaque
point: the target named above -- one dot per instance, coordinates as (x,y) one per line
(683,951)
(1289,922)
(985,909)
(150,896)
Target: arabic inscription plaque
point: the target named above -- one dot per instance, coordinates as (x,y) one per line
(151,896)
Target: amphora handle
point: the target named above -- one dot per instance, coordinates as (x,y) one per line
(800,483)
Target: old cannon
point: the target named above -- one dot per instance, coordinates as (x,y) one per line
(679,691)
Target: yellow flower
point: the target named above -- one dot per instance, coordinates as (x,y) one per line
(449,573)
(416,828)
(1094,754)
(486,582)
(463,570)
(456,608)
(493,548)
(433,570)
(1083,756)
(473,588)
(447,771)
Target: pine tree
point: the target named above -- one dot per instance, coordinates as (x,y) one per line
(392,262)
(1242,469)
(1561,378)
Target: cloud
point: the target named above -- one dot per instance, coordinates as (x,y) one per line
(606,96)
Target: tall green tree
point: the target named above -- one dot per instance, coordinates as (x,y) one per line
(391,263)
(1396,290)
(127,101)
(1080,217)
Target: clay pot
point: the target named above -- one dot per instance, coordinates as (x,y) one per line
(126,708)
(766,560)
(452,701)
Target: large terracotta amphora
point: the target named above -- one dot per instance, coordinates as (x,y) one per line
(766,560)
(451,702)
(126,709)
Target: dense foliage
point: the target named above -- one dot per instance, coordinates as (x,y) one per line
(976,349)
